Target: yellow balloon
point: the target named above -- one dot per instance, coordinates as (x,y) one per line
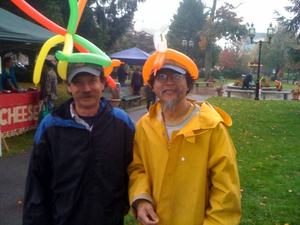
(62,69)
(42,56)
(68,47)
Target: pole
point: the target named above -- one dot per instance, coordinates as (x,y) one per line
(258,71)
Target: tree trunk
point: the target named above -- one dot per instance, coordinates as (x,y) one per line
(208,61)
(208,50)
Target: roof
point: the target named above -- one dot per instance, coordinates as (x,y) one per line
(131,56)
(16,29)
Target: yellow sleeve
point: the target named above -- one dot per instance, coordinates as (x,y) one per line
(139,187)
(224,200)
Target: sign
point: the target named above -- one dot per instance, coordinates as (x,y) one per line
(0,143)
(18,112)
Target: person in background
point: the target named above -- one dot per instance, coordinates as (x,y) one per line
(137,80)
(48,84)
(151,97)
(247,80)
(184,168)
(8,78)
(121,74)
(77,172)
(278,85)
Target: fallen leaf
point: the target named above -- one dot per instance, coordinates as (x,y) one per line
(242,190)
(254,169)
(279,200)
(265,197)
(262,204)
(290,191)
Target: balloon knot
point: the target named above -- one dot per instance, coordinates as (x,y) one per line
(60,56)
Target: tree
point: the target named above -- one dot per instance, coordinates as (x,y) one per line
(233,62)
(114,17)
(275,55)
(132,39)
(227,59)
(220,23)
(103,21)
(188,20)
(292,26)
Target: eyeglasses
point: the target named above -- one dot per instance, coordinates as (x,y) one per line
(162,78)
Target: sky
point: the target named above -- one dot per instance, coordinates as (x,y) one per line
(258,12)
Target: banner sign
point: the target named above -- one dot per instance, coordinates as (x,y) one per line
(18,112)
(0,143)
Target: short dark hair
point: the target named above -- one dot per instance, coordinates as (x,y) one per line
(6,59)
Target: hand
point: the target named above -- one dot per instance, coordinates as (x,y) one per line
(145,213)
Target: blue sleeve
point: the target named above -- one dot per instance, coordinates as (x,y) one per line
(14,80)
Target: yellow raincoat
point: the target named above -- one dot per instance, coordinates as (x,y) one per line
(191,179)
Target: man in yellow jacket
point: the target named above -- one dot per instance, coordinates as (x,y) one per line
(184,168)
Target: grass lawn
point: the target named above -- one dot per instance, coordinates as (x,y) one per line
(266,136)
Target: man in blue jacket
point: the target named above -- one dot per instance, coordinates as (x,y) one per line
(247,80)
(77,173)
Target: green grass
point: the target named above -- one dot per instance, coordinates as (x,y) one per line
(266,136)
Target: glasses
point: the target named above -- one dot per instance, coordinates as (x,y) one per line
(162,78)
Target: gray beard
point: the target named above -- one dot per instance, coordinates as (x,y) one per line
(169,105)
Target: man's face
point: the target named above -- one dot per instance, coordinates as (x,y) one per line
(170,92)
(10,63)
(86,90)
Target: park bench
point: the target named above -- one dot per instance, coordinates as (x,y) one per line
(229,91)
(231,86)
(198,83)
(127,96)
(222,79)
(284,93)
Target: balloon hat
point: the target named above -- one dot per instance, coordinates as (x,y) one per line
(108,70)
(89,53)
(157,59)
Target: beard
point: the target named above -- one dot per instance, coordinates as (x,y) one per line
(170,104)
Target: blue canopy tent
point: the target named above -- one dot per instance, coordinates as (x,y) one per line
(133,56)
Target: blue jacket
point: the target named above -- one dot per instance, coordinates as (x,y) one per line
(77,176)
(11,74)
